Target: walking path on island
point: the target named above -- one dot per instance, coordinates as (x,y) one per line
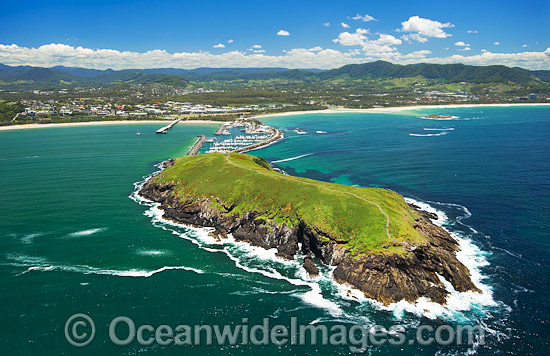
(227,158)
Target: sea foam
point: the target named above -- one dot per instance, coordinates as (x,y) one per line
(265,262)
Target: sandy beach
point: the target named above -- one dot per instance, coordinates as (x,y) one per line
(328,111)
(100,123)
(394,109)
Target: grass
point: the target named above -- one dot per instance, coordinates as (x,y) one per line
(353,216)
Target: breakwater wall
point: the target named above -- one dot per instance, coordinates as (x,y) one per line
(197,146)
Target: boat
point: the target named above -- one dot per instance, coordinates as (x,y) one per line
(138,133)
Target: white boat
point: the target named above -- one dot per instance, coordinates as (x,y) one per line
(138,133)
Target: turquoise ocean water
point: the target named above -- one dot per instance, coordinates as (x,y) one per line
(74,238)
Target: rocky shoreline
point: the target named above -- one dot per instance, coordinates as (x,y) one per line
(416,273)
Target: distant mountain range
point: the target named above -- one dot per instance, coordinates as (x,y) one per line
(36,77)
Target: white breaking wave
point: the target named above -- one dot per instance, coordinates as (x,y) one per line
(29,238)
(244,255)
(440,118)
(321,132)
(41,264)
(240,252)
(443,129)
(292,158)
(151,252)
(86,232)
(428,135)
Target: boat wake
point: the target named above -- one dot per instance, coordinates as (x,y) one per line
(86,232)
(291,158)
(428,135)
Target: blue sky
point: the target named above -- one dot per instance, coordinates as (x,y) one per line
(306,34)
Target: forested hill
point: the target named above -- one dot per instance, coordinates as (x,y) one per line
(25,76)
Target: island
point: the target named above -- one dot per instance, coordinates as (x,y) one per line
(438,117)
(378,243)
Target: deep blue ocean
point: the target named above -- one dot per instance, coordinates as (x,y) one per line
(74,238)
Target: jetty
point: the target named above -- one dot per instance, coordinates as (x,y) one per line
(164,130)
(197,146)
(220,130)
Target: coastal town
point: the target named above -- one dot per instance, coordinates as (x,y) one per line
(62,106)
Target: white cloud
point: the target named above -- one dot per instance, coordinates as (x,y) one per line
(484,50)
(352,39)
(326,24)
(473,31)
(461,44)
(383,44)
(230,41)
(496,43)
(256,46)
(417,54)
(219,45)
(283,33)
(388,40)
(421,29)
(315,49)
(414,37)
(344,25)
(365,18)
(524,46)
(465,49)
(61,54)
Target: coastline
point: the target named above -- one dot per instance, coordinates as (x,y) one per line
(259,117)
(394,109)
(101,123)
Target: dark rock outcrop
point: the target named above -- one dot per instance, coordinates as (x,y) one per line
(386,278)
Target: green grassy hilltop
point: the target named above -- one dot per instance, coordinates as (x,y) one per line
(365,220)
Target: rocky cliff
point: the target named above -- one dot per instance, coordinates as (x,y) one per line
(387,278)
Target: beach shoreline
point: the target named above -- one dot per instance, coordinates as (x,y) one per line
(101,123)
(394,109)
(259,117)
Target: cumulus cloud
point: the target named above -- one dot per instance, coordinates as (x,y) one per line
(473,31)
(417,54)
(351,39)
(365,18)
(421,29)
(61,54)
(344,25)
(465,49)
(383,44)
(316,49)
(524,46)
(230,41)
(414,37)
(219,45)
(283,33)
(388,40)
(496,43)
(461,44)
(256,46)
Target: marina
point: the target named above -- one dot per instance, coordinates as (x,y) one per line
(241,136)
